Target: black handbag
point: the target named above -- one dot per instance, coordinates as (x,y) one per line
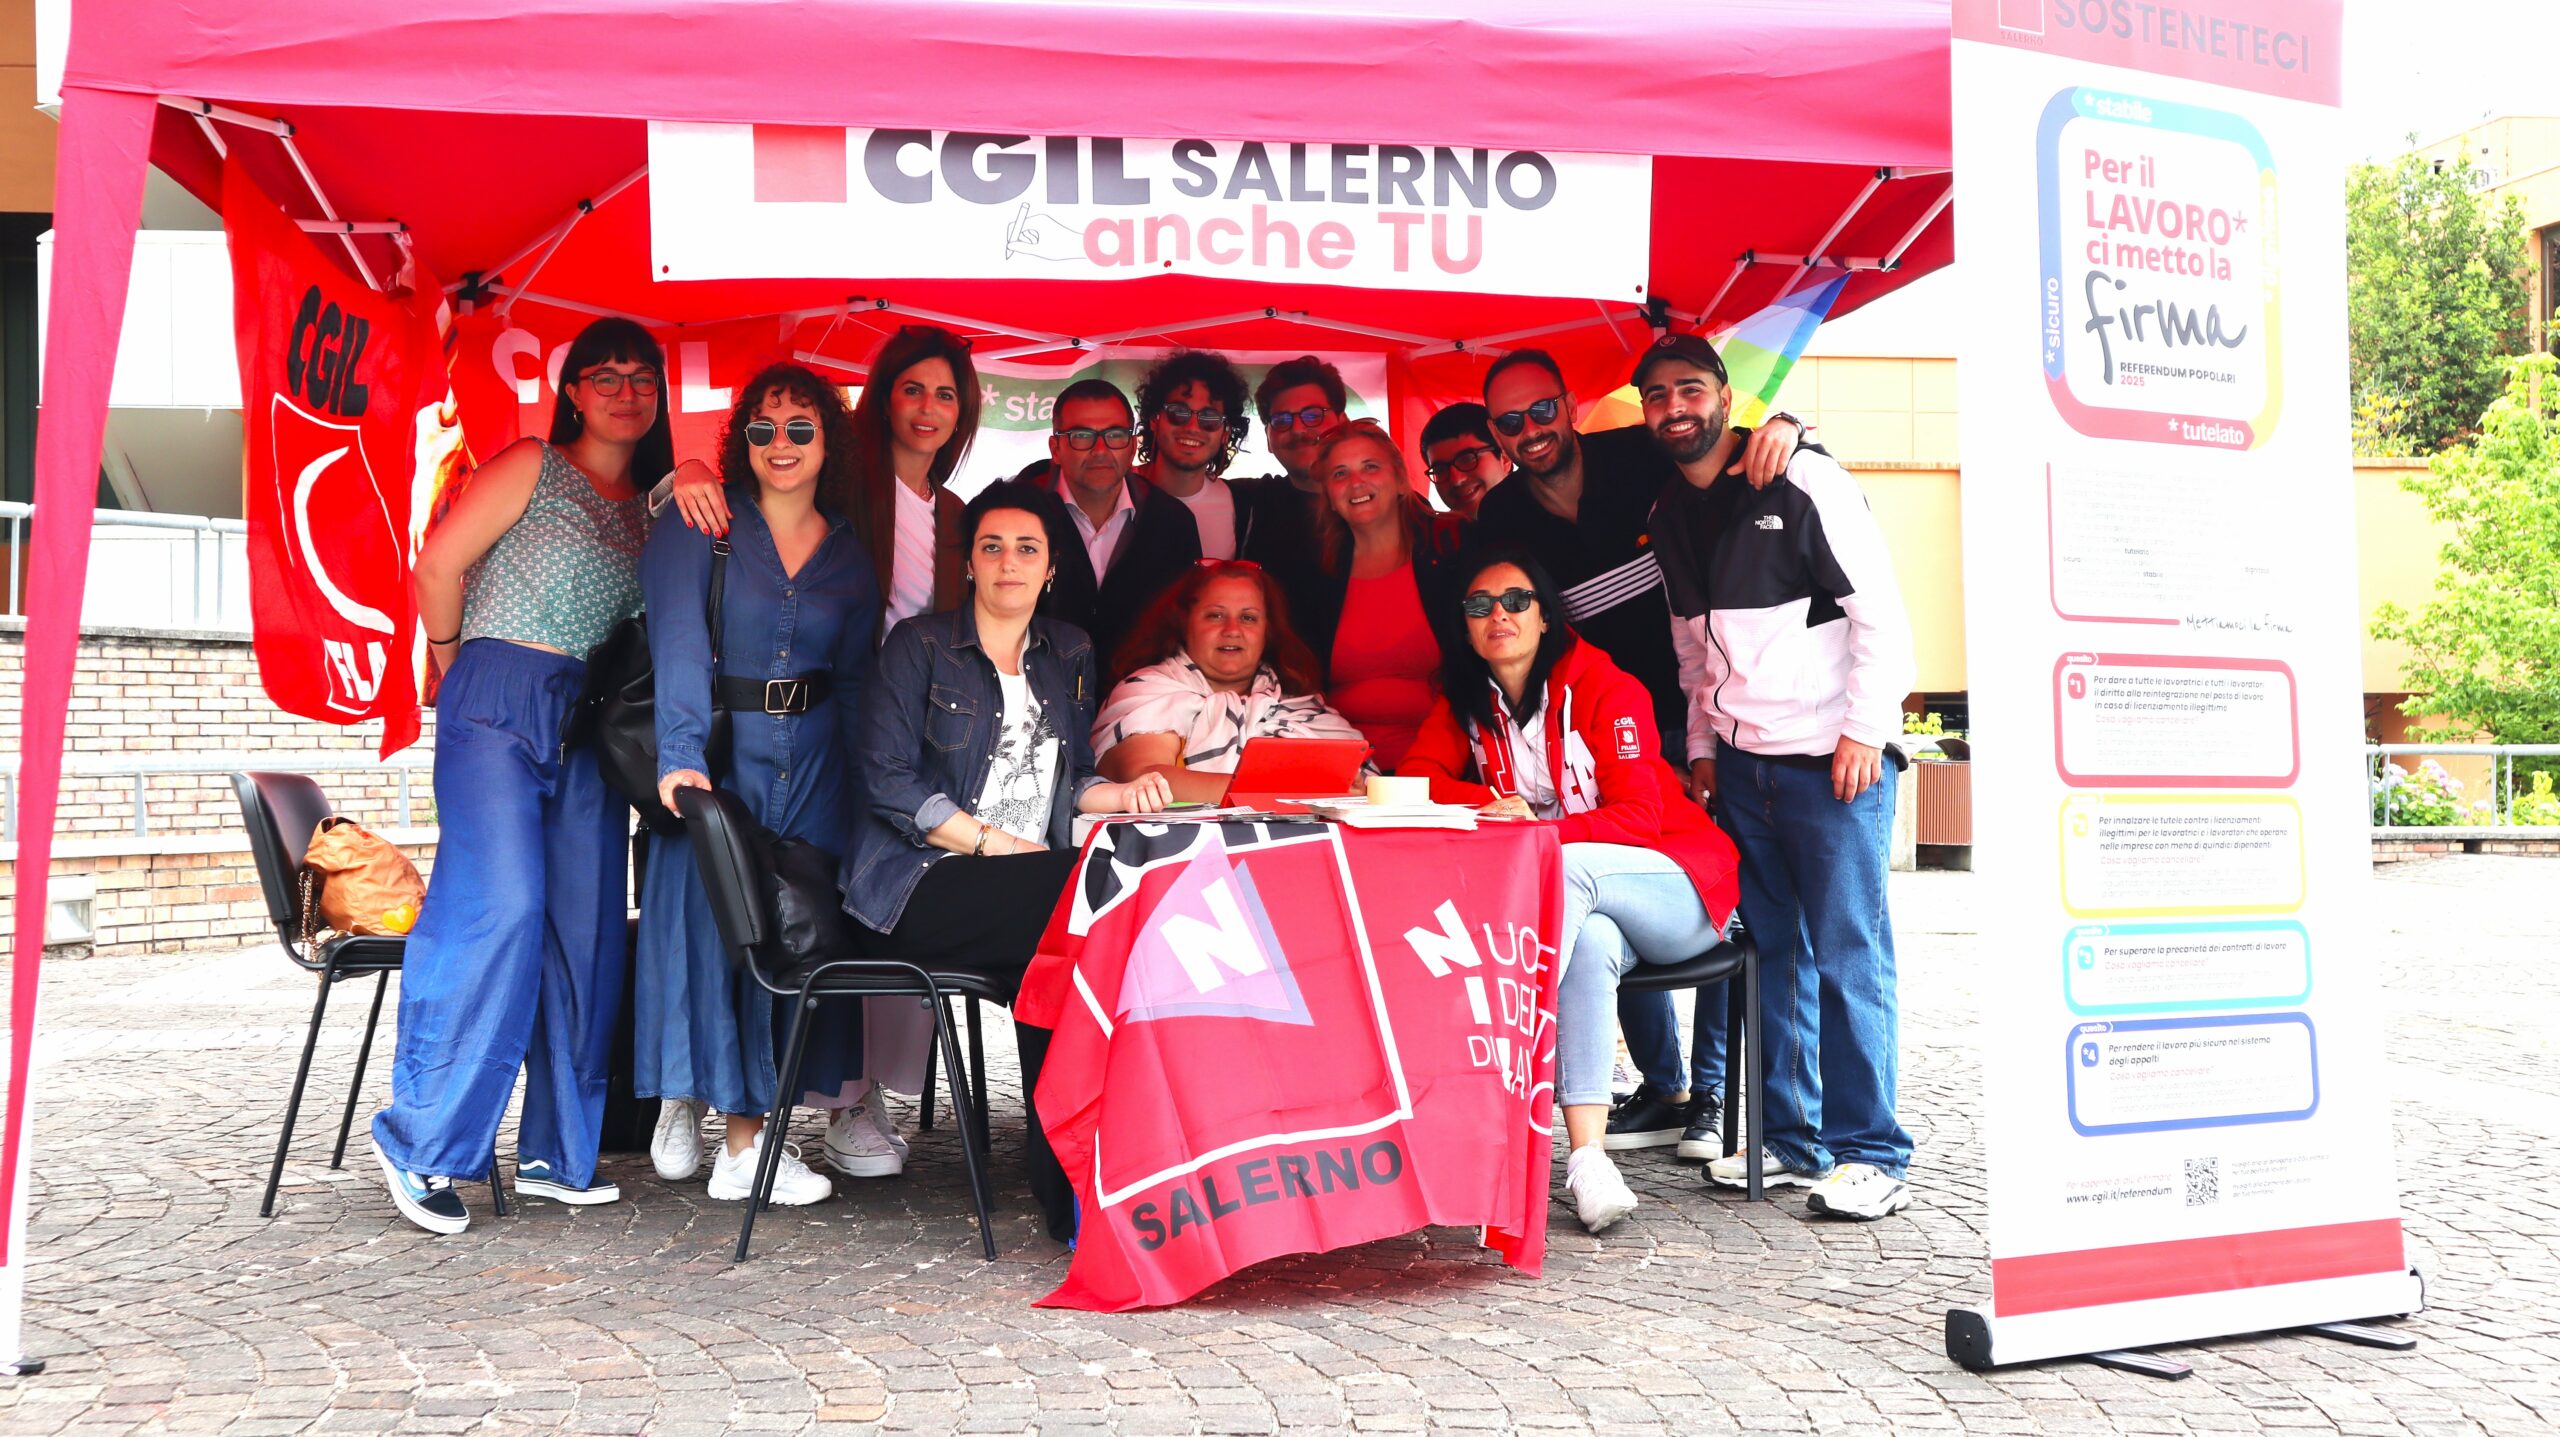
(809,922)
(617,715)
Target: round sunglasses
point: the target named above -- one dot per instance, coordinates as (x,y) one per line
(1181,414)
(1512,421)
(1288,419)
(760,432)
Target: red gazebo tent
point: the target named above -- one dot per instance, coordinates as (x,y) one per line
(510,138)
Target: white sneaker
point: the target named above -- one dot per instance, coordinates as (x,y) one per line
(1600,1196)
(861,1143)
(1860,1191)
(675,1150)
(1733,1171)
(733,1176)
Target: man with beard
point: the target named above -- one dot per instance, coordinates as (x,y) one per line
(1191,420)
(1301,402)
(1459,453)
(1135,541)
(1582,503)
(1796,657)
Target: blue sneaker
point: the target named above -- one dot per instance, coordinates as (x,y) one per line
(539,1179)
(430,1202)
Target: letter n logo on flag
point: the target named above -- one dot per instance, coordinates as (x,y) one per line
(1210,952)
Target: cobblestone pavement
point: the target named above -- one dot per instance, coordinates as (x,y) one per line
(166,1304)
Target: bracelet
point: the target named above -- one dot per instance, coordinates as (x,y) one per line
(440,643)
(981,850)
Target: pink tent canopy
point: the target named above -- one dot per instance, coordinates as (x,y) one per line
(510,138)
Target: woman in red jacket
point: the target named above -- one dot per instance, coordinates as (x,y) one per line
(1535,723)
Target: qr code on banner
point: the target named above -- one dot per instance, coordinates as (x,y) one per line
(2204,1181)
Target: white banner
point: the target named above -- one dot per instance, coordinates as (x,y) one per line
(2186,1117)
(800,202)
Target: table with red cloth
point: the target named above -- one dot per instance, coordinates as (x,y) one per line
(1289,1037)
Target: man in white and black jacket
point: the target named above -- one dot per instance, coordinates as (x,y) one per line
(1795,656)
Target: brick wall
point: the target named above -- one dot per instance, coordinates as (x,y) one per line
(166,901)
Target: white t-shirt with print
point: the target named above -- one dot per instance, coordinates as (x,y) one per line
(1023,770)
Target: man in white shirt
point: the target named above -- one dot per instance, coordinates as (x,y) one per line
(1191,421)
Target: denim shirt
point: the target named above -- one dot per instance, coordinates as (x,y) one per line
(796,771)
(929,731)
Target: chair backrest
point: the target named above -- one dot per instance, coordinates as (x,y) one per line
(281,810)
(725,855)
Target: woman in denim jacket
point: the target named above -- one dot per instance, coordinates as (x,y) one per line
(976,756)
(799,604)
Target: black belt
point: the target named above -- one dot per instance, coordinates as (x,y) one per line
(1815,762)
(772,696)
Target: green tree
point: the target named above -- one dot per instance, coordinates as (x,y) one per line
(2485,651)
(2437,293)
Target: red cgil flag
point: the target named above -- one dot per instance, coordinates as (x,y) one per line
(1255,1053)
(332,378)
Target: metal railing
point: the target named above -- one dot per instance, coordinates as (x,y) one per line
(211,565)
(142,770)
(2502,769)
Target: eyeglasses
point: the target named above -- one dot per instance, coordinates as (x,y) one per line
(798,431)
(1516,601)
(609,382)
(1115,437)
(1464,461)
(1212,420)
(1307,418)
(1512,421)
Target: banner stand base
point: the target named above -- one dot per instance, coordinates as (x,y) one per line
(1971,1340)
(2146,1364)
(2363,1335)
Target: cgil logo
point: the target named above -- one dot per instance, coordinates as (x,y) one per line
(908,166)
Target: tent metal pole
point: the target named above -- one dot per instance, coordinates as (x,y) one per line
(353,227)
(1875,182)
(585,207)
(204,110)
(1707,311)
(1820,261)
(811,356)
(1893,259)
(1490,340)
(311,182)
(213,137)
(1317,321)
(509,293)
(1090,341)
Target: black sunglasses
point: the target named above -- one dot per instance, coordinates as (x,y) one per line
(1480,605)
(798,431)
(1212,420)
(1465,461)
(1307,418)
(1512,421)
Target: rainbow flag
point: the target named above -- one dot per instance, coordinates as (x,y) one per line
(1762,348)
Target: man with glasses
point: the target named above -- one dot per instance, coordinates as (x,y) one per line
(1191,421)
(1796,656)
(1135,540)
(1461,457)
(1301,402)
(1583,503)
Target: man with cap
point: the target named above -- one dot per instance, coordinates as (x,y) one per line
(1796,656)
(1582,504)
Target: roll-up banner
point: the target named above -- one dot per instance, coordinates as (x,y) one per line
(2186,1109)
(803,202)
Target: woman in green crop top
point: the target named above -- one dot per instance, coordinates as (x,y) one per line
(517,961)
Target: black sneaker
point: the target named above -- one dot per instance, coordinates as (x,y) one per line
(1703,1139)
(1644,1119)
(430,1202)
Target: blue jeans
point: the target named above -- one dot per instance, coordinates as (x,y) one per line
(1651,1023)
(1813,897)
(517,960)
(1622,905)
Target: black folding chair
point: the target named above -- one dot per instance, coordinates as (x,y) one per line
(726,854)
(1735,963)
(280,811)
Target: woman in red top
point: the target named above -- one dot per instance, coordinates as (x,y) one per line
(1375,621)
(1536,723)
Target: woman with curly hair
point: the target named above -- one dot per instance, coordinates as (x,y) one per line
(1213,664)
(799,606)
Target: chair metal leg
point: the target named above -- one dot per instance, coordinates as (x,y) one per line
(497,1183)
(364,1054)
(1733,1058)
(970,1153)
(978,1076)
(777,1124)
(293,1105)
(932,1054)
(1756,1100)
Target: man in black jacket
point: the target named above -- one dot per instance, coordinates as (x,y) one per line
(1134,540)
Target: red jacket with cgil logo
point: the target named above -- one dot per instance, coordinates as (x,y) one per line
(1603,756)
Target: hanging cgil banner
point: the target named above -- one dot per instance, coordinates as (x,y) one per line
(2187,1127)
(803,202)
